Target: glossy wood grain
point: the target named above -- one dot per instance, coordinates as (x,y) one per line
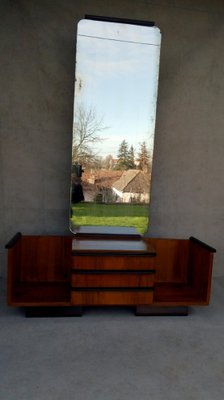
(200,269)
(112,280)
(101,262)
(192,284)
(111,298)
(39,271)
(172,260)
(45,258)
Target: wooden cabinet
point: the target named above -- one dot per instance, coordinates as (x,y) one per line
(111,272)
(54,271)
(183,272)
(39,269)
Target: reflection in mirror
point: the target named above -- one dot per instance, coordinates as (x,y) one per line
(114,119)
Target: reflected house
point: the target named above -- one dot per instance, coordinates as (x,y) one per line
(98,183)
(132,186)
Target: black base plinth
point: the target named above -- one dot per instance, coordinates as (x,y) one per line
(35,312)
(160,311)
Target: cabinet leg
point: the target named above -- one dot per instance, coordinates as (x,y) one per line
(160,311)
(35,312)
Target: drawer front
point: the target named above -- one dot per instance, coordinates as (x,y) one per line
(113,262)
(98,280)
(119,298)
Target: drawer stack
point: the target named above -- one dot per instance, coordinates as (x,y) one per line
(110,272)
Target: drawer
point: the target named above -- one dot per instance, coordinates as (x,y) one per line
(113,262)
(113,298)
(96,279)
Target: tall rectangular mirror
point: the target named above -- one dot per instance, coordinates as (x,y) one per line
(116,81)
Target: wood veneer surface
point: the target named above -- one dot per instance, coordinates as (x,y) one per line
(112,280)
(40,268)
(111,298)
(45,258)
(172,260)
(103,262)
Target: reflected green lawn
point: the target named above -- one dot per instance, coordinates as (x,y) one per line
(119,214)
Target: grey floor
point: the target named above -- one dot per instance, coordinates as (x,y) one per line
(111,354)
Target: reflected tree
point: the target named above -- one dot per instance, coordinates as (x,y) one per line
(125,157)
(131,158)
(144,160)
(122,156)
(86,133)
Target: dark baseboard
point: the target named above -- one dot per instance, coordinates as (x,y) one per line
(39,312)
(160,311)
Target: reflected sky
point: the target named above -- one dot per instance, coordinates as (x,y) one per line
(117,76)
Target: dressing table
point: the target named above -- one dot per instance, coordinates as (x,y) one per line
(111,264)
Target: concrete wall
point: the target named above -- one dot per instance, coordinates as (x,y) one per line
(37,40)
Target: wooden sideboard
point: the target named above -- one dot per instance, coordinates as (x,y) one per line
(152,275)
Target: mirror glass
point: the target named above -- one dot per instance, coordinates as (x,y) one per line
(116,80)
